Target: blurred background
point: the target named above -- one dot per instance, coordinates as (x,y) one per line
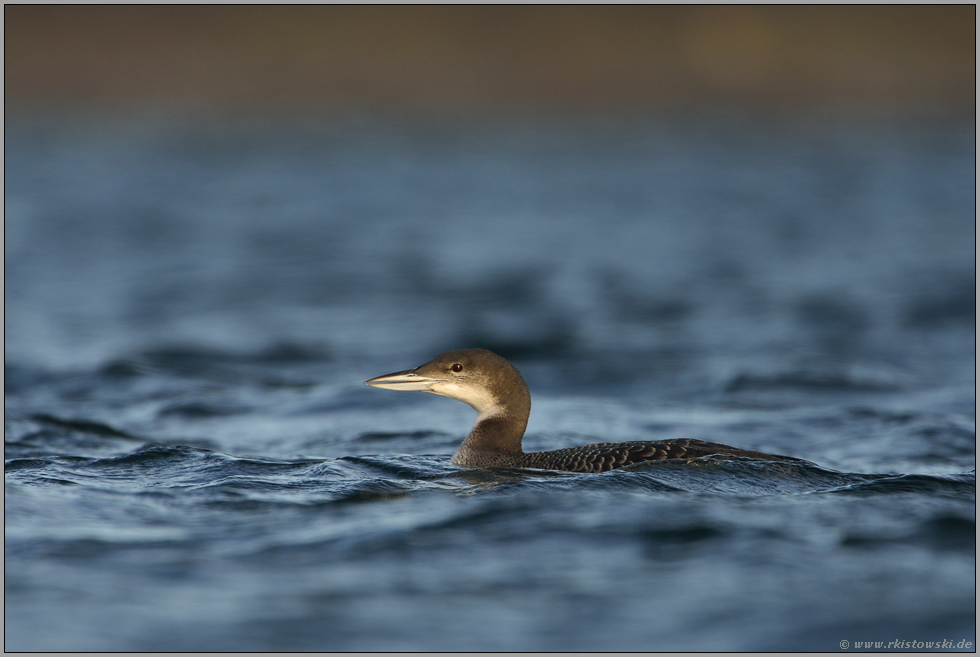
(489,59)
(580,161)
(751,225)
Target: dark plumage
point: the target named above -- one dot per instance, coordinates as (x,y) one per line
(498,392)
(601,457)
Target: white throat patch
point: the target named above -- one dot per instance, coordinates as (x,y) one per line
(476,396)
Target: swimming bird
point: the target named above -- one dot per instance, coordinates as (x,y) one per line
(497,391)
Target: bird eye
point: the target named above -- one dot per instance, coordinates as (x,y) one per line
(457,367)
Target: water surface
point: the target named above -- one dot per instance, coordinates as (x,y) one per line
(193,463)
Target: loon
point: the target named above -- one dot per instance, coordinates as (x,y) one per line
(496,390)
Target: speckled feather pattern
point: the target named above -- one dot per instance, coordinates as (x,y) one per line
(602,457)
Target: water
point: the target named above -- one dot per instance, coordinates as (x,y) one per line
(192,305)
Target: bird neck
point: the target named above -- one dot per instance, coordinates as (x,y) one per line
(497,432)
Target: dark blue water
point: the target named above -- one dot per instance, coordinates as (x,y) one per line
(193,463)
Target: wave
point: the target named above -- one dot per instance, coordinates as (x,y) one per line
(353,478)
